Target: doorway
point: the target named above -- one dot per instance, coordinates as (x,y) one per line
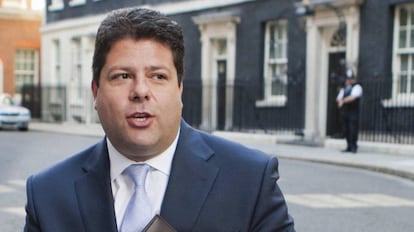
(221,94)
(336,74)
(218,53)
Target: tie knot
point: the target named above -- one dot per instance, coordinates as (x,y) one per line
(138,173)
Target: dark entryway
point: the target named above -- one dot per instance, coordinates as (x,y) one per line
(31,98)
(221,94)
(336,74)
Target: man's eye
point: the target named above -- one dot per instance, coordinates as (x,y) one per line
(123,75)
(120,76)
(159,76)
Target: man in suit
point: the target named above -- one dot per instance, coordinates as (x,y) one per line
(196,181)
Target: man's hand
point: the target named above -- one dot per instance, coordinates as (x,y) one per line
(340,102)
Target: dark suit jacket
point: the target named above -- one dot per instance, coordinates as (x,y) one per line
(214,185)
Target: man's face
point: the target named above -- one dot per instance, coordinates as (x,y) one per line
(139,99)
(350,81)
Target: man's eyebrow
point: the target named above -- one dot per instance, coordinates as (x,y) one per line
(118,67)
(155,67)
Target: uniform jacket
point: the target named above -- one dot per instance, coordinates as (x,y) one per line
(214,185)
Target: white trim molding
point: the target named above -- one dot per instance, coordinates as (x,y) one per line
(213,28)
(320,29)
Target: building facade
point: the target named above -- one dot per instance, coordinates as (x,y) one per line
(256,65)
(20,51)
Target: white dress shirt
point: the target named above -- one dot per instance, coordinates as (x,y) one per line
(156,181)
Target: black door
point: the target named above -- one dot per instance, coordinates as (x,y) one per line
(336,74)
(31,98)
(221,94)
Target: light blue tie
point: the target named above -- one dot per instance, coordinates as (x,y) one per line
(138,212)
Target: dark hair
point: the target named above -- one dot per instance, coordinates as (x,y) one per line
(138,23)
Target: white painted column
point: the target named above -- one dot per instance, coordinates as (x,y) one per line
(352,38)
(231,74)
(213,29)
(87,54)
(312,101)
(206,82)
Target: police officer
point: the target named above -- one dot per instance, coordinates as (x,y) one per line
(348,102)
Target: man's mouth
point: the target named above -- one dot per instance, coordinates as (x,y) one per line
(140,119)
(140,116)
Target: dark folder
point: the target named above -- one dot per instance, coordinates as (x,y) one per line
(158,224)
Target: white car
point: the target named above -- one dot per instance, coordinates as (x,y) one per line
(12,115)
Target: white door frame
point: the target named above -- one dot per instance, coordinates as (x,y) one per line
(320,29)
(214,28)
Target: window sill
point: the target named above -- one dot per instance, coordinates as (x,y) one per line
(56,102)
(77,104)
(272,102)
(55,7)
(77,3)
(402,102)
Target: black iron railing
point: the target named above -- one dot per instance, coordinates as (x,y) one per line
(385,116)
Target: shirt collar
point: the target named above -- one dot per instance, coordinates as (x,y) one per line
(161,162)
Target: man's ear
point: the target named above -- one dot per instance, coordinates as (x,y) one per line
(94,88)
(181,94)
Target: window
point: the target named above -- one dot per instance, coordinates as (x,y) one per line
(56,62)
(25,68)
(76,2)
(405,83)
(77,67)
(276,59)
(56,93)
(22,4)
(403,58)
(275,65)
(56,5)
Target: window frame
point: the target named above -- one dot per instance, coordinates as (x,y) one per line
(20,4)
(56,96)
(406,98)
(77,69)
(25,62)
(56,5)
(275,62)
(57,66)
(28,74)
(73,3)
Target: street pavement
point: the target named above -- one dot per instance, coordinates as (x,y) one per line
(385,158)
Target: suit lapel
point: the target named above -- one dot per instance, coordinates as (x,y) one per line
(190,180)
(94,192)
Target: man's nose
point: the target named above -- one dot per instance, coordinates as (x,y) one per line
(140,90)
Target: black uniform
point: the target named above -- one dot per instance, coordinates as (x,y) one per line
(350,120)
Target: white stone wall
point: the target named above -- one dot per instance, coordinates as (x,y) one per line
(74,105)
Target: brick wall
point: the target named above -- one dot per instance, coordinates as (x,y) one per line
(17,31)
